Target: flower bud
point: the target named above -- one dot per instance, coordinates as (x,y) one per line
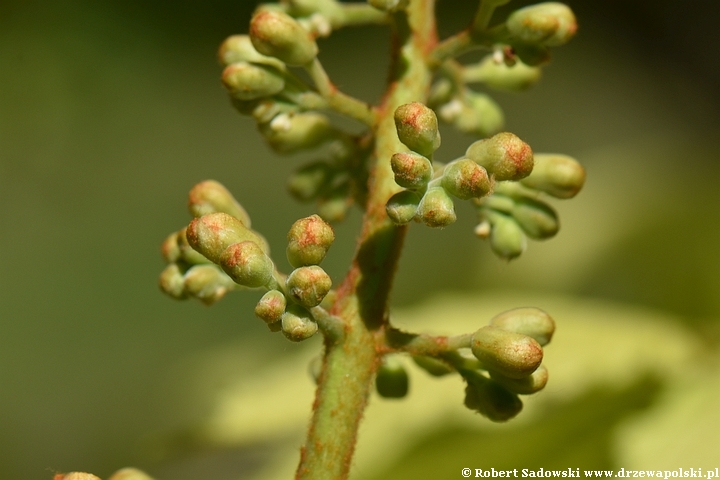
(211,234)
(466,179)
(278,35)
(504,155)
(247,264)
(333,206)
(411,170)
(172,282)
(297,324)
(417,128)
(207,283)
(77,476)
(289,133)
(491,400)
(529,321)
(271,306)
(500,76)
(187,253)
(402,207)
(436,208)
(511,354)
(389,5)
(536,218)
(432,365)
(392,379)
(130,474)
(247,81)
(523,386)
(551,24)
(211,197)
(239,48)
(310,180)
(170,249)
(479,115)
(308,285)
(557,175)
(507,239)
(308,241)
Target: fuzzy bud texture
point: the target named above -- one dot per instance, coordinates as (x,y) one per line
(239,48)
(246,81)
(297,324)
(529,321)
(271,306)
(247,264)
(557,175)
(507,239)
(402,207)
(417,128)
(308,285)
(551,24)
(511,354)
(436,208)
(504,155)
(466,179)
(212,234)
(309,239)
(411,170)
(212,197)
(278,35)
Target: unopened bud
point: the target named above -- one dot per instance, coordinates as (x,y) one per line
(536,218)
(247,81)
(511,354)
(504,155)
(172,282)
(207,283)
(278,35)
(557,175)
(551,24)
(402,207)
(308,285)
(288,133)
(417,128)
(309,181)
(466,179)
(529,321)
(491,400)
(170,249)
(392,379)
(211,197)
(297,324)
(507,239)
(309,239)
(187,253)
(436,209)
(500,76)
(334,206)
(239,48)
(432,365)
(247,264)
(480,115)
(524,386)
(211,234)
(77,476)
(411,170)
(130,474)
(271,306)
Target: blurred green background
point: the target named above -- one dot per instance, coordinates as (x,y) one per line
(109,113)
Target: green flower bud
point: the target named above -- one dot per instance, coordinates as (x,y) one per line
(289,133)
(529,321)
(402,207)
(433,366)
(308,241)
(187,253)
(511,354)
(531,55)
(211,197)
(491,400)
(479,114)
(436,208)
(78,476)
(247,81)
(334,206)
(417,128)
(524,386)
(392,379)
(557,175)
(507,239)
(130,474)
(170,249)
(247,264)
(239,48)
(389,5)
(504,155)
(441,93)
(206,283)
(308,285)
(297,324)
(211,234)
(278,35)
(536,218)
(500,76)
(411,170)
(271,306)
(551,24)
(466,179)
(172,282)
(310,180)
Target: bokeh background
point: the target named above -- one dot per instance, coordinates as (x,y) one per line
(110,111)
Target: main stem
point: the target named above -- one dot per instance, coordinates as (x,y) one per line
(349,365)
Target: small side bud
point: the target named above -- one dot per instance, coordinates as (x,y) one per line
(172,282)
(389,5)
(309,239)
(212,234)
(511,354)
(392,380)
(500,76)
(310,180)
(417,128)
(77,476)
(289,133)
(529,321)
(333,206)
(278,35)
(491,400)
(507,239)
(130,474)
(271,307)
(504,155)
(247,81)
(466,179)
(170,249)
(308,285)
(557,175)
(436,209)
(207,283)
(247,264)
(211,197)
(551,24)
(402,207)
(187,253)
(524,386)
(480,115)
(411,170)
(297,324)
(536,218)
(239,48)
(433,366)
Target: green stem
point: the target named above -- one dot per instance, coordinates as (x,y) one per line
(349,366)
